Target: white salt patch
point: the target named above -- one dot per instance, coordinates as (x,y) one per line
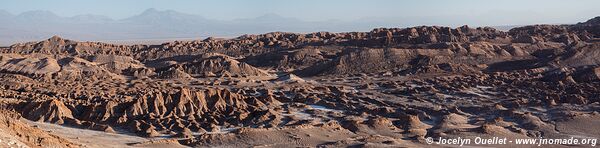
(323,108)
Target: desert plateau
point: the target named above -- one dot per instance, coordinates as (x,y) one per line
(299,74)
(390,87)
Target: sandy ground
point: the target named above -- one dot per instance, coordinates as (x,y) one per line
(97,139)
(7,140)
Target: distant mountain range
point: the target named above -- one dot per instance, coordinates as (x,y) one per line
(155,24)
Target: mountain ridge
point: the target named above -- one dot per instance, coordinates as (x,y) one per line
(164,24)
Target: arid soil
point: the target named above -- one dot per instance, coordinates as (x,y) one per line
(391,87)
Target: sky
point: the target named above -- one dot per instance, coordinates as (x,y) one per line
(440,12)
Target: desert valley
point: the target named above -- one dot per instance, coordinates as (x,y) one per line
(390,87)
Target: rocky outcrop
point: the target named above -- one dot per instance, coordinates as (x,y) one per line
(377,60)
(578,56)
(53,111)
(587,30)
(35,64)
(294,59)
(157,112)
(593,21)
(258,44)
(59,46)
(20,134)
(116,64)
(39,65)
(384,87)
(174,73)
(213,64)
(588,75)
(434,34)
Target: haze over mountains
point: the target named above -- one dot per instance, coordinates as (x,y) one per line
(153,24)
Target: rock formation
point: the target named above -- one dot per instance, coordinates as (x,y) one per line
(389,87)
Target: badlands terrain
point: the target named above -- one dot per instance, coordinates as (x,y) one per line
(390,87)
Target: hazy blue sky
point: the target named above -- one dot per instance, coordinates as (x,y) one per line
(443,12)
